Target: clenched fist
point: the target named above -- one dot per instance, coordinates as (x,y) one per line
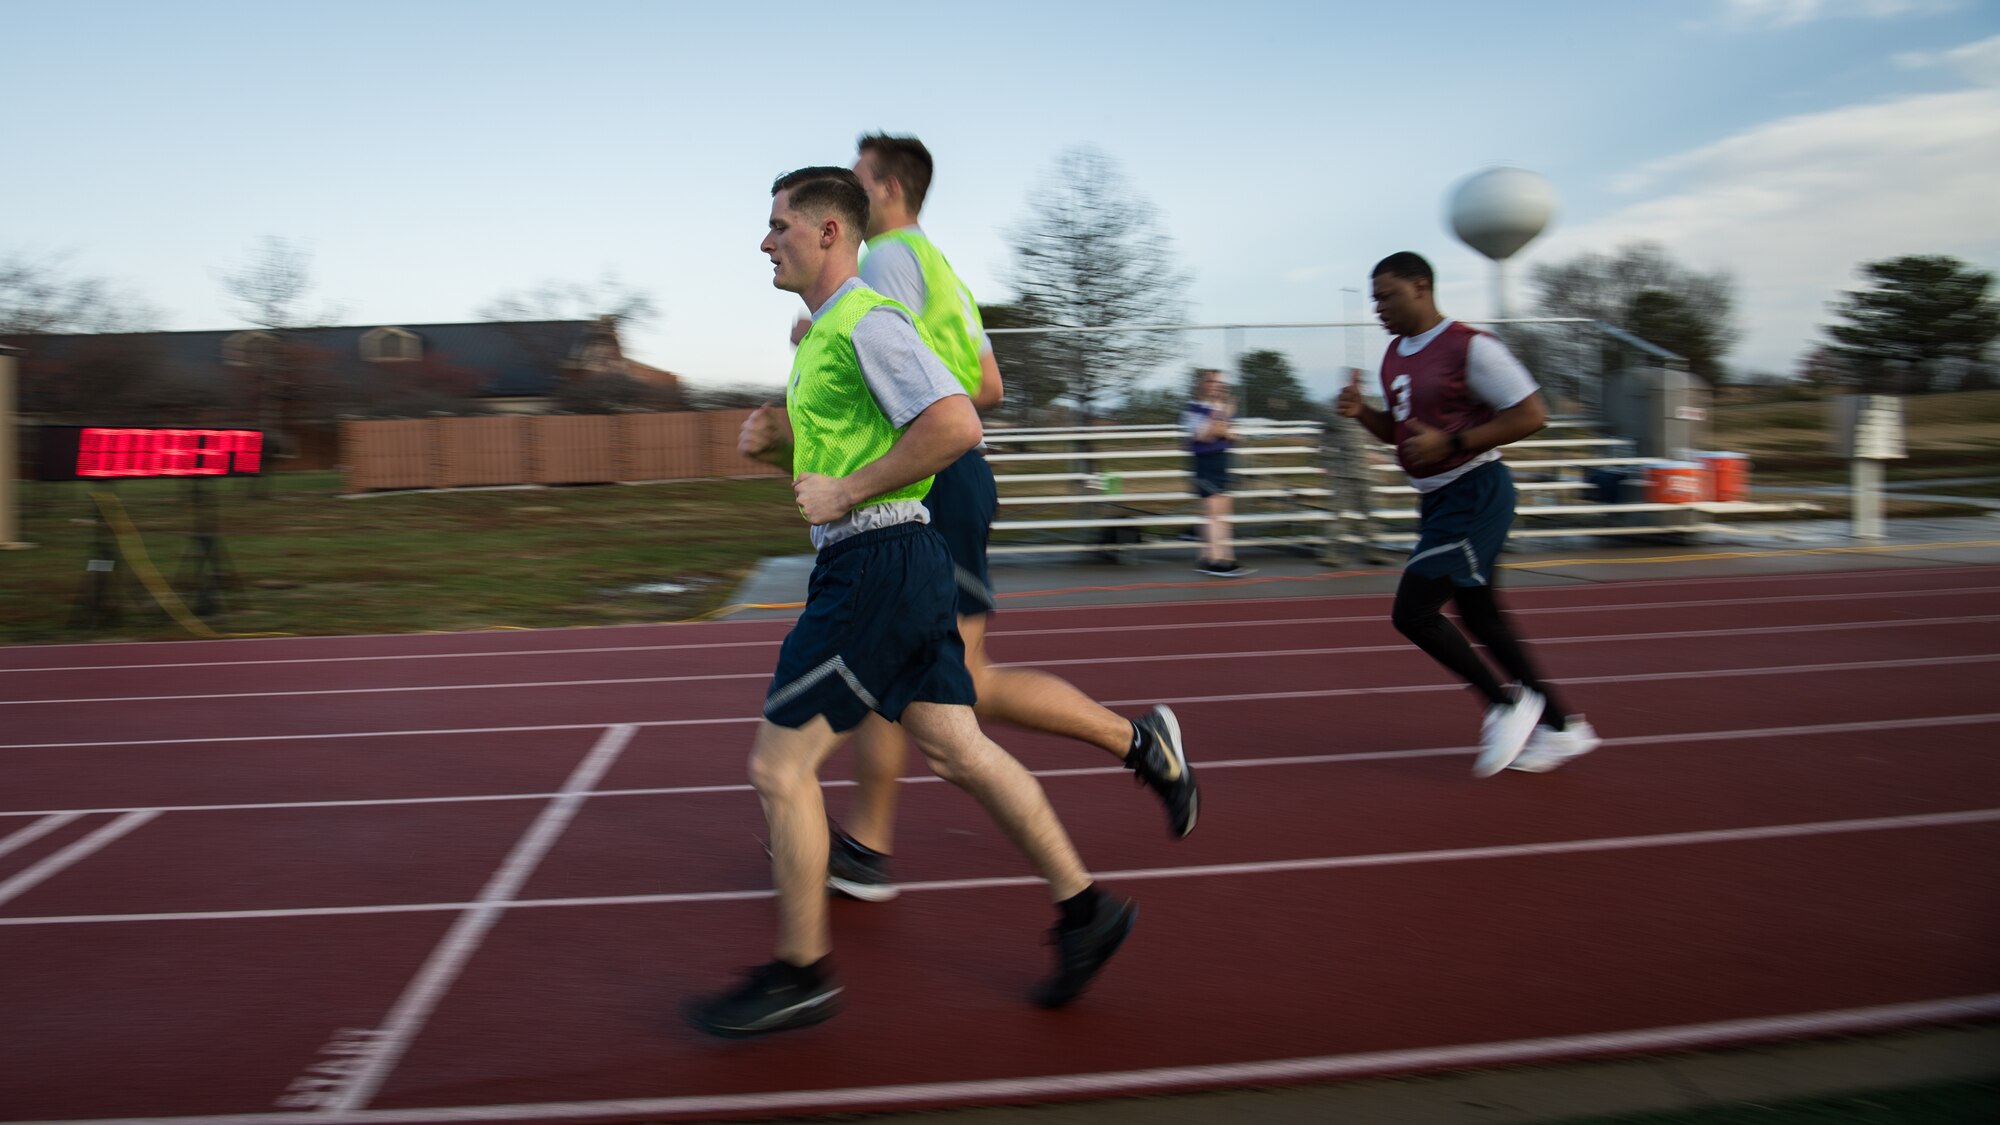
(762,432)
(1350,404)
(822,500)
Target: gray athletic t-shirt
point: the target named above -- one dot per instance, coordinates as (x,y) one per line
(892,270)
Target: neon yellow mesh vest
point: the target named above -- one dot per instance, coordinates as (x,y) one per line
(950,317)
(836,425)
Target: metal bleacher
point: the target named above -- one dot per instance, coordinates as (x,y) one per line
(1118,489)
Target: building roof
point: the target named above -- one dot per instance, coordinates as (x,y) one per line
(509,358)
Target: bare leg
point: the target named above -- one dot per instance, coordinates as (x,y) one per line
(784,769)
(961,754)
(1221,548)
(1027,697)
(879,750)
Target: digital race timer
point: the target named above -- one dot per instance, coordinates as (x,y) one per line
(120,452)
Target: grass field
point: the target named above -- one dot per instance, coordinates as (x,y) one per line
(1945,433)
(1953,439)
(313,563)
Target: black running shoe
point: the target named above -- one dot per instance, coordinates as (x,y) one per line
(1161,764)
(1082,951)
(857,871)
(769,999)
(1224,568)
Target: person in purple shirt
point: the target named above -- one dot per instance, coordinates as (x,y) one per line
(1206,423)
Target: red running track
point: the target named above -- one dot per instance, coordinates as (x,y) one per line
(472,877)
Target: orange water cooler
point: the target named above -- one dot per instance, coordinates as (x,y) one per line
(1730,474)
(1676,482)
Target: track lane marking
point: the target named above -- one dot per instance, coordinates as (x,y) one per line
(1924,569)
(1518,610)
(1675,738)
(1232,654)
(490,910)
(413,1008)
(1240,697)
(1678,1037)
(49,823)
(54,863)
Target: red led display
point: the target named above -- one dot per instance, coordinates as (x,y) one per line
(121,452)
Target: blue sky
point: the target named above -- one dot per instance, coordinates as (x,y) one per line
(433,155)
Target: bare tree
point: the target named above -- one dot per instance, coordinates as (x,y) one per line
(1031,365)
(288,378)
(103,373)
(39,296)
(591,377)
(271,287)
(607,297)
(1091,254)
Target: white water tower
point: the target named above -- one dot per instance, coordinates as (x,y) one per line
(1498,211)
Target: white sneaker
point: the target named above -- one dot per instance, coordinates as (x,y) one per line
(1506,731)
(1548,749)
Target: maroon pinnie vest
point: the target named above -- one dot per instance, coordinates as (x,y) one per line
(1431,384)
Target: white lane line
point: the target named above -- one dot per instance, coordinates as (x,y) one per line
(1512,611)
(1240,697)
(1539,642)
(395,689)
(1516,610)
(415,732)
(1461,1056)
(479,798)
(54,863)
(1262,867)
(424,992)
(390,657)
(49,823)
(1637,678)
(1344,650)
(1165,1079)
(1678,738)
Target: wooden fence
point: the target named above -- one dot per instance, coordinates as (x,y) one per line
(545,449)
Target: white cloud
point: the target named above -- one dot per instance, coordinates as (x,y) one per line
(1791,207)
(1306,275)
(1772,15)
(1978,63)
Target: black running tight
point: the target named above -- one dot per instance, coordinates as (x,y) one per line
(1417,616)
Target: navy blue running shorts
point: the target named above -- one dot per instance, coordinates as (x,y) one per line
(963,502)
(879,632)
(1463,527)
(1211,473)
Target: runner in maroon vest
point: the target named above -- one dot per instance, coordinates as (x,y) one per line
(1455,396)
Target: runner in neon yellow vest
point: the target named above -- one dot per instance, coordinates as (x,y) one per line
(871,412)
(949,316)
(903,263)
(837,425)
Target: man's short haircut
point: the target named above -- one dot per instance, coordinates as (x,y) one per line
(818,190)
(1405,265)
(902,159)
